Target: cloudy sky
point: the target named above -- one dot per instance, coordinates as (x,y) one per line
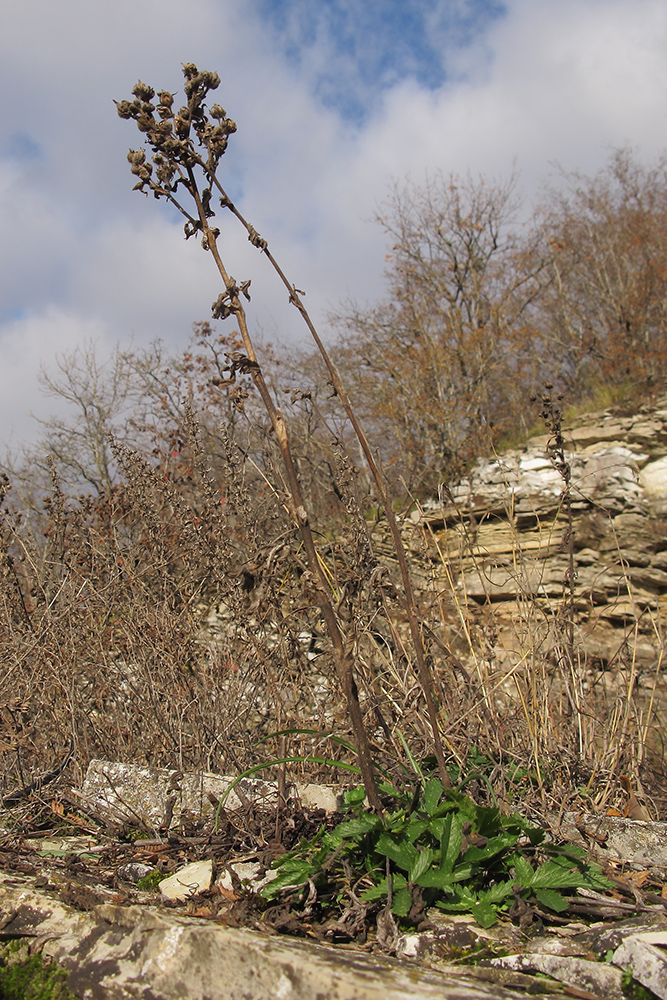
(334,100)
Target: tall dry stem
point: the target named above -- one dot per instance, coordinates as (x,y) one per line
(175,159)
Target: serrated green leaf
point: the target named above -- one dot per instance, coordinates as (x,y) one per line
(552,875)
(450,844)
(465,894)
(433,792)
(523,870)
(415,828)
(551,899)
(359,827)
(434,878)
(400,852)
(452,906)
(290,875)
(461,873)
(487,821)
(498,893)
(436,828)
(379,891)
(563,852)
(401,902)
(424,861)
(353,796)
(494,846)
(484,913)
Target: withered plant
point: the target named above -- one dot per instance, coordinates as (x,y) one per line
(187,146)
(183,567)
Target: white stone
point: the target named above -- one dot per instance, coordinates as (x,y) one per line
(653,478)
(190,880)
(646,960)
(595,978)
(131,792)
(131,952)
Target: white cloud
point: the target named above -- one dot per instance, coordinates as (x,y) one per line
(83,256)
(25,343)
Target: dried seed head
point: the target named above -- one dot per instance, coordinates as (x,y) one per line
(124,109)
(211,81)
(143,91)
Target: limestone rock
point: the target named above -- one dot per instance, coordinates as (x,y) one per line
(617,838)
(653,478)
(157,796)
(188,881)
(135,952)
(596,978)
(644,954)
(500,552)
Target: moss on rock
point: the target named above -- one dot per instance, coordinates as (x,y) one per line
(30,977)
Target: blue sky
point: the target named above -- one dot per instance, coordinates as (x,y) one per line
(334,99)
(373,46)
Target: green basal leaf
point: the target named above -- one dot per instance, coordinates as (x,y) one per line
(291,875)
(461,873)
(424,861)
(437,827)
(498,893)
(453,906)
(433,792)
(331,840)
(564,852)
(401,853)
(354,796)
(552,875)
(415,828)
(535,835)
(379,891)
(465,894)
(450,844)
(401,902)
(351,828)
(551,899)
(495,845)
(436,878)
(523,870)
(487,822)
(395,822)
(484,913)
(386,788)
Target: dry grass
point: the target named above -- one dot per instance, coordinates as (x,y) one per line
(157,630)
(242,608)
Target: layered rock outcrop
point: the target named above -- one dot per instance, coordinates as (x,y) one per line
(502,541)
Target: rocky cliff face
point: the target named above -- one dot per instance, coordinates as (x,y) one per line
(499,539)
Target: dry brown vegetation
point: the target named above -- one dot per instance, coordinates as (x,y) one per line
(195,568)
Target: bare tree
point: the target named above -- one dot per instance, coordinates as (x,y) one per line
(604,315)
(442,363)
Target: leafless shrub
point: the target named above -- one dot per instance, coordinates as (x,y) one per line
(201,597)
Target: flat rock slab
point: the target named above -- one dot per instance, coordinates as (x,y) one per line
(618,839)
(156,796)
(188,881)
(596,978)
(644,954)
(127,953)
